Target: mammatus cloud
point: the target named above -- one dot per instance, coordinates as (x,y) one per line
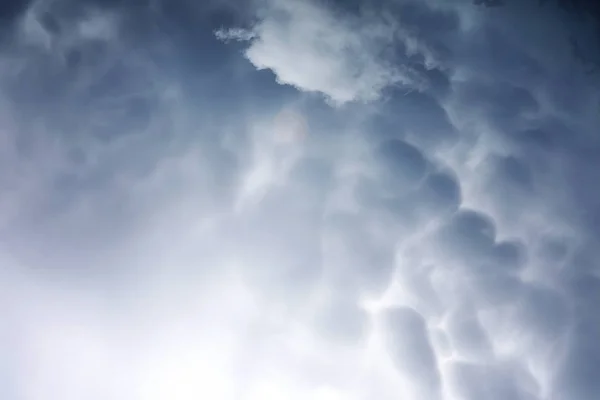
(168,233)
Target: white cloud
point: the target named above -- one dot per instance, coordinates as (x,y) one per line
(315,49)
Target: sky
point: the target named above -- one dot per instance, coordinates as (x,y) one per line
(298,199)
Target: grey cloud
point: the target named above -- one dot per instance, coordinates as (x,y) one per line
(342,319)
(282,236)
(441,343)
(442,191)
(497,106)
(13,9)
(419,290)
(313,178)
(367,193)
(409,346)
(511,180)
(493,290)
(489,49)
(403,165)
(500,106)
(469,233)
(475,381)
(419,116)
(466,335)
(407,186)
(577,375)
(510,255)
(539,138)
(108,117)
(512,173)
(470,218)
(438,195)
(487,269)
(544,312)
(355,257)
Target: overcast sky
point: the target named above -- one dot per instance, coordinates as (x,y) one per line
(297,199)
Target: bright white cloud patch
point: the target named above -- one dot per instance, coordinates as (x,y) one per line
(315,49)
(176,225)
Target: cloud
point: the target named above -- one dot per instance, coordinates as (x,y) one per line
(498,382)
(315,50)
(179,220)
(411,351)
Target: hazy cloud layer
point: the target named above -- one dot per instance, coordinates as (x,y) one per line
(288,199)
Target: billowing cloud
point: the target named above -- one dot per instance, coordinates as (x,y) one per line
(411,351)
(316,49)
(181,217)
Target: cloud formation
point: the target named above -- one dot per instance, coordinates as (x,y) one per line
(326,51)
(182,218)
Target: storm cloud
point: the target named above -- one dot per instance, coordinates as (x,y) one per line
(284,199)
